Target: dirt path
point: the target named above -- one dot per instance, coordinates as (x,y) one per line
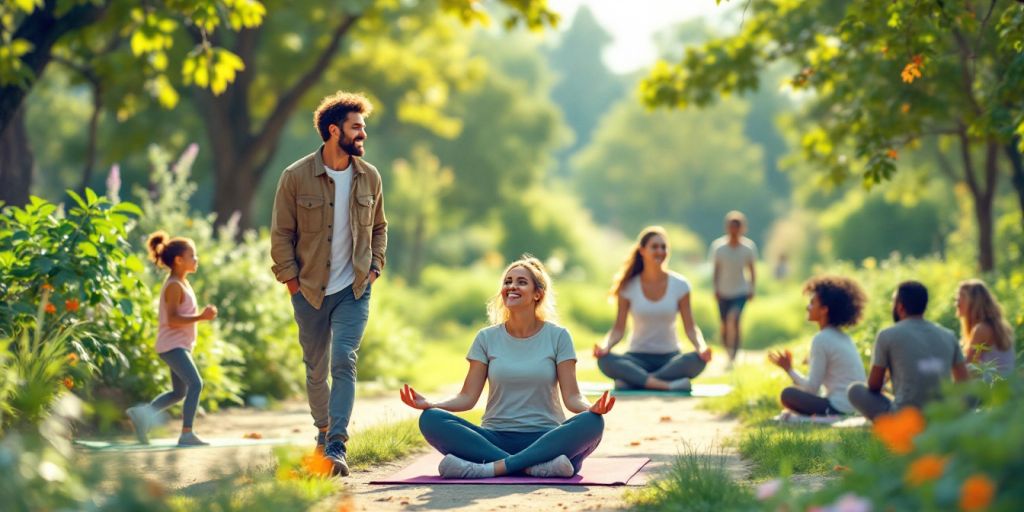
(654,427)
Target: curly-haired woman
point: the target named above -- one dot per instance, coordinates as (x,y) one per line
(836,302)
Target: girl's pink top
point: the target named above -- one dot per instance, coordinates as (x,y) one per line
(168,337)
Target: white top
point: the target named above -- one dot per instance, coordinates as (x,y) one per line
(732,263)
(654,322)
(835,364)
(522,382)
(342,273)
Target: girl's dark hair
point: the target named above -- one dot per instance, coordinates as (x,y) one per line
(163,249)
(843,297)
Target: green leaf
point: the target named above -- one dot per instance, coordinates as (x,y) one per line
(88,249)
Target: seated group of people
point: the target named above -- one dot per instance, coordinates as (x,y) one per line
(529,362)
(918,356)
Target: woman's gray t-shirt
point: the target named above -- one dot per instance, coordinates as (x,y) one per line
(522,382)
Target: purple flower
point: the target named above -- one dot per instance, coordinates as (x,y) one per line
(768,489)
(188,157)
(114,183)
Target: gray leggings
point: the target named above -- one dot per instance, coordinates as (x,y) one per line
(185,383)
(867,402)
(633,368)
(577,438)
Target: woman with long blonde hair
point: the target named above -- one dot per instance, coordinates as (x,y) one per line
(654,296)
(986,336)
(526,359)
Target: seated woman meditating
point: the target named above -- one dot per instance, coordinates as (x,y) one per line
(654,296)
(836,302)
(987,337)
(526,361)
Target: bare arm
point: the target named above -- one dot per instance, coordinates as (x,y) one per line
(876,379)
(960,373)
(753,279)
(693,333)
(980,340)
(172,297)
(619,329)
(569,387)
(714,279)
(472,387)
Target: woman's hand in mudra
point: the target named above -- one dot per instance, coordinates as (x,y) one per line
(413,399)
(782,358)
(603,404)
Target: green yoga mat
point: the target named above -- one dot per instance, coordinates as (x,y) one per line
(699,390)
(156,445)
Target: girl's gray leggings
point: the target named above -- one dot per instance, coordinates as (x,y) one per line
(576,439)
(185,383)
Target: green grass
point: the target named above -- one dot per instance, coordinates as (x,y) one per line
(695,482)
(769,446)
(806,449)
(384,443)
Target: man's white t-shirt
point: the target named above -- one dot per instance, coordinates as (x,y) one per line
(342,273)
(732,262)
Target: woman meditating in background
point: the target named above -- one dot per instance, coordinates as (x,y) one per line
(526,359)
(654,296)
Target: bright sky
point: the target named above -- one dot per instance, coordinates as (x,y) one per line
(633,27)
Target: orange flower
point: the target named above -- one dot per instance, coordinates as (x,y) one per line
(913,69)
(71,305)
(925,469)
(50,308)
(69,382)
(47,288)
(316,464)
(976,493)
(73,359)
(892,154)
(897,430)
(905,108)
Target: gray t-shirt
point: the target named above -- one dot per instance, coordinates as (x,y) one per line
(732,264)
(920,356)
(522,384)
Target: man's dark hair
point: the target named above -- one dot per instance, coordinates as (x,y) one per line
(334,109)
(914,297)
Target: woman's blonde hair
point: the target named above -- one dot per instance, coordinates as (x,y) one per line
(497,313)
(982,308)
(634,263)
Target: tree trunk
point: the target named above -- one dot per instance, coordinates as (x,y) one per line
(43,29)
(1017,172)
(986,250)
(983,194)
(242,151)
(16,161)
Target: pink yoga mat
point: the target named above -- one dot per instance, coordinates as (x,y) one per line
(595,471)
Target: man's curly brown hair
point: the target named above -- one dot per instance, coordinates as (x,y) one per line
(334,109)
(843,297)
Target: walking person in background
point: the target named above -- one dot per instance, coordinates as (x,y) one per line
(176,337)
(734,257)
(328,236)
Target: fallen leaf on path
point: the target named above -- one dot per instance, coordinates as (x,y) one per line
(666,419)
(634,443)
(253,435)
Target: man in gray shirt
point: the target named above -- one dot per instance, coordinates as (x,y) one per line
(919,356)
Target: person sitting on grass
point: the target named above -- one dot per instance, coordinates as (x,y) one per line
(526,360)
(835,302)
(987,336)
(178,315)
(919,356)
(654,296)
